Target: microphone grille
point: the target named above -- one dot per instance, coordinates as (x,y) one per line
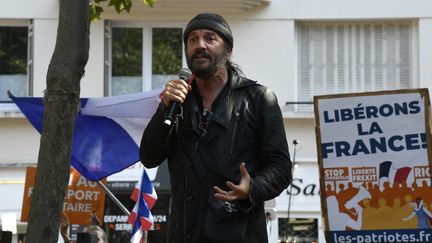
(185,74)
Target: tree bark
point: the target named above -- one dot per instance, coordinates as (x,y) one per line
(61,106)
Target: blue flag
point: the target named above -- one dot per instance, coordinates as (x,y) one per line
(107,130)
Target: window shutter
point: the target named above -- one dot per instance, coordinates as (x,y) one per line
(353,57)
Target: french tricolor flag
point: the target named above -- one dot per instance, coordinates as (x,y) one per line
(107,131)
(106,140)
(141,218)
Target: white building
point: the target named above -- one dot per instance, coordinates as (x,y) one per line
(298,48)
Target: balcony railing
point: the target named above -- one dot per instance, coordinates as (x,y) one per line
(298,109)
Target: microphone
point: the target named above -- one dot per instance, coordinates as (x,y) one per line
(184,74)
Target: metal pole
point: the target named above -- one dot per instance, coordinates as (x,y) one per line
(110,195)
(295,142)
(120,205)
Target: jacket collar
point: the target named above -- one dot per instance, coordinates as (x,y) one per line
(238,82)
(222,113)
(224,110)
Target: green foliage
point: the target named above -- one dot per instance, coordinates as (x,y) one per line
(13,50)
(95,11)
(119,5)
(127,52)
(167,56)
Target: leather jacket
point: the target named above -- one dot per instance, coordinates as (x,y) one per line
(245,125)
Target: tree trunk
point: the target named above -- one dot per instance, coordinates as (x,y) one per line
(61,106)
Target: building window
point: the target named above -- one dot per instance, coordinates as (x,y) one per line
(354,57)
(142,57)
(15,60)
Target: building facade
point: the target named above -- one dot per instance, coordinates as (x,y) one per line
(297,48)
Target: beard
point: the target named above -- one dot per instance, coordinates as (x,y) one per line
(207,69)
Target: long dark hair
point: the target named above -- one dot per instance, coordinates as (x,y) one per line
(235,68)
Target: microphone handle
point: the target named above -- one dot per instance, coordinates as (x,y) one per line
(170,114)
(184,74)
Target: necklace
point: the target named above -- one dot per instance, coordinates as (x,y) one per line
(205,112)
(204,121)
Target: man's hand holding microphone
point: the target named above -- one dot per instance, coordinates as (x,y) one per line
(174,94)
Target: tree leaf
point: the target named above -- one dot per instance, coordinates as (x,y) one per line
(127,5)
(95,12)
(119,6)
(150,2)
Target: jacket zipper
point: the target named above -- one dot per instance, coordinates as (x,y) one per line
(236,121)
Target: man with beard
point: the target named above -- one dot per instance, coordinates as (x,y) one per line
(227,151)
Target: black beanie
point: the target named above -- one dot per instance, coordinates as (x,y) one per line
(209,21)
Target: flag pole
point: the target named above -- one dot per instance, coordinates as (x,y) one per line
(119,204)
(114,198)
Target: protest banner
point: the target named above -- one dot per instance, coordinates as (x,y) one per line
(374,162)
(84,200)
